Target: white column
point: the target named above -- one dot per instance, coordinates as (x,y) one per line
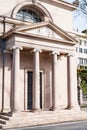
(55,80)
(16,77)
(72,82)
(36,80)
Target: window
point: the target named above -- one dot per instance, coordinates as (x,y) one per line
(85,51)
(81,61)
(85,61)
(28,16)
(80,50)
(85,43)
(80,42)
(76,49)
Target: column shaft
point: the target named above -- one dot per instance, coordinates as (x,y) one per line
(36,82)
(54,81)
(16,77)
(72,83)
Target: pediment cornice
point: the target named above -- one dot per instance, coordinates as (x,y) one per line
(43,27)
(44,30)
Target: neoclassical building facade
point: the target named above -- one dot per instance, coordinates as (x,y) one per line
(37,56)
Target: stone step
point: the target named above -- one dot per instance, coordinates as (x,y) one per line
(2,121)
(1,127)
(6,114)
(4,117)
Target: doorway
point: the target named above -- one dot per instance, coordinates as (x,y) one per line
(30,90)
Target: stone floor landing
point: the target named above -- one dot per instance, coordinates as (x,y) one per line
(22,119)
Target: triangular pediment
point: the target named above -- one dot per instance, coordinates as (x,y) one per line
(46,30)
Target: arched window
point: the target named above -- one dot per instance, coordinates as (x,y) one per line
(29,15)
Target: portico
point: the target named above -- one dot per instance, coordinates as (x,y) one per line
(38,54)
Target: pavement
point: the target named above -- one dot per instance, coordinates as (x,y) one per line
(80,125)
(49,117)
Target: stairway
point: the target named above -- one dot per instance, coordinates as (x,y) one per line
(4,118)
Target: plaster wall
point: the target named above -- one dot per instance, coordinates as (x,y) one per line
(7,6)
(7,81)
(61,17)
(62,81)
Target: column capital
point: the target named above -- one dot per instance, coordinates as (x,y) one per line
(55,52)
(14,47)
(36,50)
(34,1)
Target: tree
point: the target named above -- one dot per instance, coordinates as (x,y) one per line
(82,73)
(76,3)
(84,31)
(82,5)
(80,14)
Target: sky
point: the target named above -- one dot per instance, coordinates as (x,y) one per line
(79,21)
(69,1)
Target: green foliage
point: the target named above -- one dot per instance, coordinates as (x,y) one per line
(83,75)
(85,31)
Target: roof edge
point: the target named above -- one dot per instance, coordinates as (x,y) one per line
(61,3)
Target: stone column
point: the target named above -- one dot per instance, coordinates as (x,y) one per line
(6,82)
(36,80)
(1,77)
(55,80)
(72,82)
(16,77)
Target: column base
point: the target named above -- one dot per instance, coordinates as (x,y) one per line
(16,110)
(55,109)
(75,108)
(6,110)
(36,110)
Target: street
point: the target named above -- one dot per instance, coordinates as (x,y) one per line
(80,125)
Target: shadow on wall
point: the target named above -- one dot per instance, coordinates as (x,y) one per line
(5,66)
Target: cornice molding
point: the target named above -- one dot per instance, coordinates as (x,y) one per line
(54,27)
(44,38)
(61,3)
